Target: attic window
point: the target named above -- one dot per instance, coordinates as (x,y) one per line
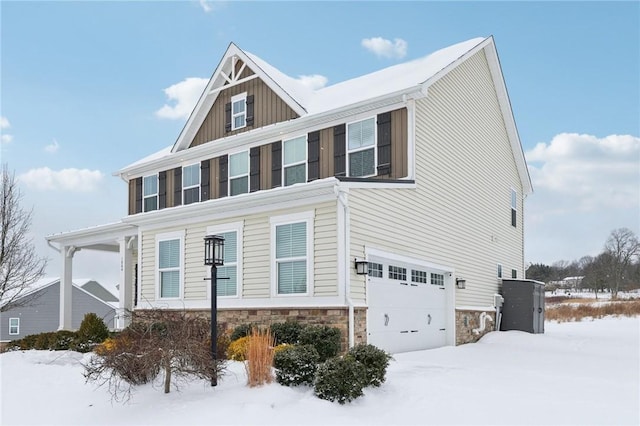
(239,111)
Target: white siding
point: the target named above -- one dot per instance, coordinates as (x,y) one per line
(459,214)
(256,255)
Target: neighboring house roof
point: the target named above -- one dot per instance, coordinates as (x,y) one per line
(411,77)
(99,291)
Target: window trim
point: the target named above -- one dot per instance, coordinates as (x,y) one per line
(247,175)
(17,326)
(184,188)
(236,227)
(176,235)
(274,221)
(234,99)
(374,147)
(144,197)
(305,161)
(514,274)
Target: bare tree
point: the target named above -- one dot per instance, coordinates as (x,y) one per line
(624,248)
(20,267)
(596,272)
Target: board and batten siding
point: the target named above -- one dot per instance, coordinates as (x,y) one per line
(256,259)
(459,213)
(269,108)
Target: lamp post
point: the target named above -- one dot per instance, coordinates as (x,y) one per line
(214,257)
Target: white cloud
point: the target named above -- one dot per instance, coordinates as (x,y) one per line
(184,96)
(206,6)
(584,187)
(382,47)
(5,139)
(74,180)
(314,82)
(53,147)
(4,123)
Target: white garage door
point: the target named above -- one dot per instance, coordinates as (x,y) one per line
(406,306)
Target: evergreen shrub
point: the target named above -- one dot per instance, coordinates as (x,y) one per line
(242,330)
(375,361)
(340,379)
(287,332)
(296,365)
(325,339)
(92,330)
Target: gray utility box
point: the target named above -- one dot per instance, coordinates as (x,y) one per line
(523,307)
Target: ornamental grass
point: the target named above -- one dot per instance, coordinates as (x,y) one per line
(259,356)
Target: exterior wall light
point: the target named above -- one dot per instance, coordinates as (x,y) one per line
(461,283)
(362,266)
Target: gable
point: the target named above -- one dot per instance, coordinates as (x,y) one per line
(267,108)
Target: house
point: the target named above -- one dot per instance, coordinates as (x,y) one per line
(416,170)
(41,311)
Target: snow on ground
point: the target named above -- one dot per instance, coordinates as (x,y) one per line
(583,373)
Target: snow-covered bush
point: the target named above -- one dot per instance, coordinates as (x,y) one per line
(296,365)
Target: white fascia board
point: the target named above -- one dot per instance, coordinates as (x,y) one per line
(271,133)
(93,235)
(507,113)
(378,185)
(280,198)
(444,71)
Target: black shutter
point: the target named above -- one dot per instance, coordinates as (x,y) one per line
(227,117)
(250,110)
(313,156)
(384,144)
(177,186)
(162,190)
(339,150)
(224,175)
(205,177)
(254,169)
(138,195)
(276,164)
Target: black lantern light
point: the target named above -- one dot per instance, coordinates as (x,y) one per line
(362,266)
(214,256)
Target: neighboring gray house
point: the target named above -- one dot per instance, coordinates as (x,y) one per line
(43,313)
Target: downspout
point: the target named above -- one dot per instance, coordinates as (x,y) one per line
(347,291)
(52,246)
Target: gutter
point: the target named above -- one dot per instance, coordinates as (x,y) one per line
(341,196)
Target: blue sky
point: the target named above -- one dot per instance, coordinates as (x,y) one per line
(82,84)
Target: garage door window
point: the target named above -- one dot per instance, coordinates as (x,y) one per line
(437,279)
(418,276)
(397,273)
(375,270)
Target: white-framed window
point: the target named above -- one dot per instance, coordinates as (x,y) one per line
(514,207)
(239,173)
(230,274)
(14,326)
(292,254)
(239,111)
(191,183)
(361,148)
(499,270)
(294,160)
(150,193)
(170,261)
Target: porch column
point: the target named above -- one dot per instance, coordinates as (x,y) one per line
(66,287)
(126,282)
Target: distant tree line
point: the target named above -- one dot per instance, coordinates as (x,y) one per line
(616,269)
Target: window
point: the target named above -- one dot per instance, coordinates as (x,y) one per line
(14,326)
(514,273)
(499,270)
(437,279)
(228,275)
(239,111)
(239,173)
(292,253)
(514,204)
(150,192)
(375,270)
(169,255)
(191,183)
(397,273)
(361,141)
(295,161)
(418,276)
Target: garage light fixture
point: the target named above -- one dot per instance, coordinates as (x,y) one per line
(461,283)
(362,266)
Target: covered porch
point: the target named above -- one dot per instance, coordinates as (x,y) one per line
(118,238)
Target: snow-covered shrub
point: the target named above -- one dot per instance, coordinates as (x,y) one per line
(374,360)
(325,339)
(296,365)
(287,332)
(92,331)
(340,379)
